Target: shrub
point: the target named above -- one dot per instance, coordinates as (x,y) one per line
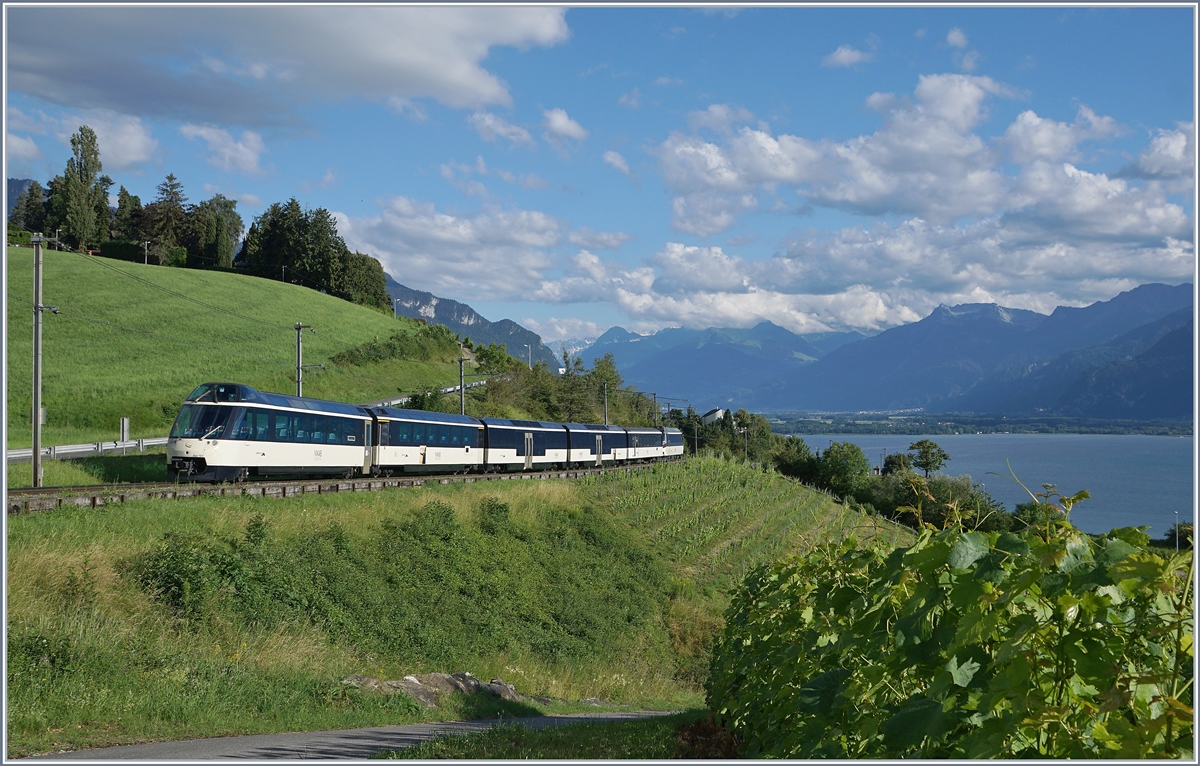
(1043,644)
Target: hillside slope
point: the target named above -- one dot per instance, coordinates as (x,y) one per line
(213,616)
(133,340)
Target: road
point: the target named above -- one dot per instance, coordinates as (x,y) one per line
(346,743)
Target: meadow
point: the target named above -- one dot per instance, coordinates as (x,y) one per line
(133,340)
(160,620)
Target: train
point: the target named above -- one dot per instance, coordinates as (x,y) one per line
(233,432)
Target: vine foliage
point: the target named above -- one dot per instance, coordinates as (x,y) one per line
(1048,643)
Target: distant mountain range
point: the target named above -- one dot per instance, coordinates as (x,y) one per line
(15,188)
(466,322)
(1129,357)
(984,358)
(1126,358)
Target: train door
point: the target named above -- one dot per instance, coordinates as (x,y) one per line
(599,449)
(368,446)
(528,451)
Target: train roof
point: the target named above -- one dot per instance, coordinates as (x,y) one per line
(591,427)
(521,423)
(434,417)
(237,392)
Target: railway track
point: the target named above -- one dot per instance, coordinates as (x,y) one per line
(29,500)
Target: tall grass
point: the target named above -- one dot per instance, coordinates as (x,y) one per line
(125,348)
(208,616)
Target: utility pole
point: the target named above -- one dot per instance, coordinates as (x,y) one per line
(462,391)
(146,253)
(655,408)
(299,356)
(606,402)
(529,348)
(395,313)
(1177,531)
(284,277)
(38,308)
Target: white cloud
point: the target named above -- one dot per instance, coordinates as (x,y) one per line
(633,99)
(845,55)
(124,141)
(564,328)
(597,240)
(617,161)
(494,255)
(664,80)
(490,127)
(533,181)
(968,61)
(1171,155)
(559,125)
(21,148)
(226,152)
(1031,137)
(409,108)
(265,62)
(957,38)
(719,117)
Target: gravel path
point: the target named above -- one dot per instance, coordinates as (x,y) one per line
(345,743)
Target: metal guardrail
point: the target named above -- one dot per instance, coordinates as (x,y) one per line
(64,451)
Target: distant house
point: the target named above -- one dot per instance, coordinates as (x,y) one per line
(712,416)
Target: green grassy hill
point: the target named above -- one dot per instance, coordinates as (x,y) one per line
(133,341)
(159,620)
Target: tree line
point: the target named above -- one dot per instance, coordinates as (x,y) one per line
(286,242)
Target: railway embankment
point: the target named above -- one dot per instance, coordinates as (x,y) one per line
(217,615)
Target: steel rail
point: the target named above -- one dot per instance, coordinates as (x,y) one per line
(31,500)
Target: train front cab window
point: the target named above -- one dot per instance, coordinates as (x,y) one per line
(198,421)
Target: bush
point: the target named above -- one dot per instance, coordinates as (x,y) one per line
(1043,644)
(429,343)
(123,250)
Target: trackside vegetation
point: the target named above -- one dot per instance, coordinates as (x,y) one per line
(1046,643)
(157,620)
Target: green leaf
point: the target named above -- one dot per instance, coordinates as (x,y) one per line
(970,547)
(1010,543)
(962,674)
(920,718)
(817,696)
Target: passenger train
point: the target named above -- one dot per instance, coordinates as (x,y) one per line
(232,432)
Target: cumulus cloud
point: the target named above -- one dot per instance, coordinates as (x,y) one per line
(241,64)
(845,55)
(719,117)
(597,240)
(564,328)
(490,127)
(21,148)
(1171,155)
(226,152)
(559,125)
(617,161)
(492,255)
(957,38)
(1031,137)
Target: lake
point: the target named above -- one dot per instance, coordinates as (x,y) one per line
(1133,480)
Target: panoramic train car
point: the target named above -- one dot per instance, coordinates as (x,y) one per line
(674,446)
(646,443)
(418,441)
(524,444)
(593,444)
(227,431)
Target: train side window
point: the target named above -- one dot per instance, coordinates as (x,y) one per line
(384,433)
(262,425)
(456,435)
(283,427)
(418,433)
(317,434)
(401,433)
(301,427)
(443,434)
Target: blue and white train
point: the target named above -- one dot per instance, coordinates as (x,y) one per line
(232,432)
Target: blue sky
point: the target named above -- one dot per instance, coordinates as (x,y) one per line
(821,168)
